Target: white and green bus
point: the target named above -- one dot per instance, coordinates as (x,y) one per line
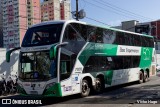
(61,58)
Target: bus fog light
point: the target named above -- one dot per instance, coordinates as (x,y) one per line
(50,85)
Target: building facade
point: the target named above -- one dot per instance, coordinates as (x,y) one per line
(1,24)
(150,28)
(55,10)
(65,10)
(18,15)
(33,12)
(50,10)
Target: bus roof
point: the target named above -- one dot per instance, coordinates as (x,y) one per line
(49,22)
(71,21)
(57,22)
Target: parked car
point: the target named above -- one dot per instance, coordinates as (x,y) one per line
(157,67)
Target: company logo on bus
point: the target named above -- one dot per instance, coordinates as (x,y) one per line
(100,46)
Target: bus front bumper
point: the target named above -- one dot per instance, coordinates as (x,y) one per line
(52,91)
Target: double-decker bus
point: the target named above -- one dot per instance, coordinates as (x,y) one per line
(61,58)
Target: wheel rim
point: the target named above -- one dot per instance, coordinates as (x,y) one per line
(141,76)
(85,87)
(98,85)
(146,77)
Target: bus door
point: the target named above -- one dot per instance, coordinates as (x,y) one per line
(69,79)
(67,60)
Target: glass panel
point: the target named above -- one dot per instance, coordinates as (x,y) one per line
(42,35)
(37,65)
(72,35)
(65,66)
(109,36)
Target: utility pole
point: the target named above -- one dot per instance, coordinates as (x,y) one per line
(78,14)
(76,9)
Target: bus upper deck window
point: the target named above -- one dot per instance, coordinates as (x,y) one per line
(72,36)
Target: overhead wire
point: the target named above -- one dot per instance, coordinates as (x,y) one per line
(114,7)
(98,21)
(112,11)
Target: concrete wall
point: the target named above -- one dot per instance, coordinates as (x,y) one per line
(9,68)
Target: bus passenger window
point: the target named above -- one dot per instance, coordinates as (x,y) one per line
(92,38)
(72,35)
(36,40)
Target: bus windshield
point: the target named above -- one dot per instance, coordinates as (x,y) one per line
(37,66)
(42,35)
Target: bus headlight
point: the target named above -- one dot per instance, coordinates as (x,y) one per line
(50,85)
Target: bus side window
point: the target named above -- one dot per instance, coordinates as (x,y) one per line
(148,42)
(132,42)
(121,39)
(65,66)
(91,34)
(118,62)
(137,41)
(135,61)
(91,65)
(151,42)
(127,63)
(99,34)
(109,63)
(64,69)
(72,35)
(69,34)
(126,42)
(93,38)
(109,36)
(144,41)
(81,30)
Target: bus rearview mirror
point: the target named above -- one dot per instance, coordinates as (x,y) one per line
(8,53)
(54,49)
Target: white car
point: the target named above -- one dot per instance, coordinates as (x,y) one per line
(157,67)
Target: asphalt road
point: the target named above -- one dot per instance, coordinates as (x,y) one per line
(128,95)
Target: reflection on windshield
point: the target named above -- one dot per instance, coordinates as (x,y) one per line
(37,66)
(42,35)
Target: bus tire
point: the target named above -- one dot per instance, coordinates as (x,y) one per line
(145,77)
(99,86)
(141,76)
(85,88)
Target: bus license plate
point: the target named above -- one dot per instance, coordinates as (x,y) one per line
(34,92)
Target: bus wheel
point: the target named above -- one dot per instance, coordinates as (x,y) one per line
(99,86)
(141,77)
(145,77)
(85,89)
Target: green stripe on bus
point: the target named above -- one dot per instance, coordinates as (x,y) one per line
(54,91)
(146,57)
(97,49)
(108,77)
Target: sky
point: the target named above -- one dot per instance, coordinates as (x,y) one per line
(113,12)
